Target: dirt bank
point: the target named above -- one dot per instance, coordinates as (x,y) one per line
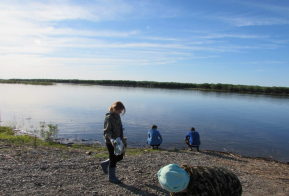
(50,171)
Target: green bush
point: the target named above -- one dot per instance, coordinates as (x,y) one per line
(50,134)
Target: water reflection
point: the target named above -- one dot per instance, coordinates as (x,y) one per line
(252,125)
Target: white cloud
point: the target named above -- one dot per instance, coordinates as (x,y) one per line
(64,10)
(264,62)
(242,36)
(161,38)
(273,7)
(253,13)
(90,33)
(38,19)
(255,21)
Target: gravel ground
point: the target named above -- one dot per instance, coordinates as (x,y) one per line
(50,171)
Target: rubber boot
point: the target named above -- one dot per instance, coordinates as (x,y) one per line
(104,166)
(112,177)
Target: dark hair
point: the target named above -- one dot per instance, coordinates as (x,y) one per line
(154,127)
(118,105)
(192,129)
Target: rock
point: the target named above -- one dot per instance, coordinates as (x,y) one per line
(71,172)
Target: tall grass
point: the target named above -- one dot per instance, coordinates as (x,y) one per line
(9,135)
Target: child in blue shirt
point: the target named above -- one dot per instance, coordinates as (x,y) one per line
(155,138)
(193,139)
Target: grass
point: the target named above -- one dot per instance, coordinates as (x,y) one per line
(8,136)
(6,130)
(101,156)
(7,133)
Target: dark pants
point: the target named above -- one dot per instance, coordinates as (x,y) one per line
(188,143)
(157,146)
(113,159)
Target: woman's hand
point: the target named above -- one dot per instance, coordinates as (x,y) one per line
(113,142)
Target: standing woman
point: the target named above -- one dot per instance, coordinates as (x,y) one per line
(112,130)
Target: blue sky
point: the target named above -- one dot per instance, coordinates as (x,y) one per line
(195,41)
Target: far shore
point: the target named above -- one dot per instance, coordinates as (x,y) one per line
(229,88)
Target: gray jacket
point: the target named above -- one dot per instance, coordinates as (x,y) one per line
(112,127)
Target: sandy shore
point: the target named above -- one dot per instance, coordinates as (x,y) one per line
(50,171)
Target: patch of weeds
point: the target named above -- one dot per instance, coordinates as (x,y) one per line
(101,156)
(132,153)
(18,139)
(50,134)
(8,135)
(75,146)
(6,131)
(56,145)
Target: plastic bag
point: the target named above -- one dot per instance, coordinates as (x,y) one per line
(118,148)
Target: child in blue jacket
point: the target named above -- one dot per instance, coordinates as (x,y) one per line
(155,138)
(193,139)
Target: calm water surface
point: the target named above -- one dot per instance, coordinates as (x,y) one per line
(250,125)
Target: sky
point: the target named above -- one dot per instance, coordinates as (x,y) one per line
(191,41)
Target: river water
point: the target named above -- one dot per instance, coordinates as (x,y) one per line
(250,125)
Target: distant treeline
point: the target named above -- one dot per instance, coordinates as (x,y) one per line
(153,84)
(26,81)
